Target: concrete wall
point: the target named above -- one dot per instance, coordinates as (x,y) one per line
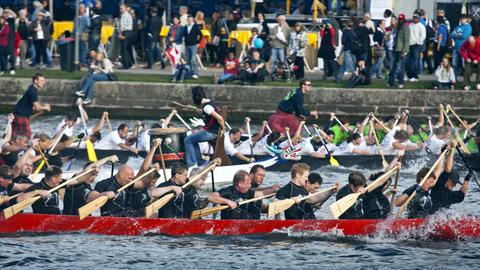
(151,100)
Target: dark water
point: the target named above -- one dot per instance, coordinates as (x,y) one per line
(283,250)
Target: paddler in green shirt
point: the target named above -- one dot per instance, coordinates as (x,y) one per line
(340,133)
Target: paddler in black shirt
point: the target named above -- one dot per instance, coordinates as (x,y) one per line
(121,204)
(257,175)
(297,188)
(356,183)
(49,203)
(442,192)
(192,200)
(8,188)
(241,190)
(375,203)
(141,198)
(421,205)
(174,208)
(77,195)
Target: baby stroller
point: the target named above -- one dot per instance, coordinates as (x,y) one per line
(283,70)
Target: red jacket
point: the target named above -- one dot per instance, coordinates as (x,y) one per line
(4,35)
(469,52)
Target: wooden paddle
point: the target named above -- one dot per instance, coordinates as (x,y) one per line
(249,136)
(212,210)
(457,136)
(109,125)
(449,108)
(278,207)
(462,157)
(88,208)
(162,161)
(268,128)
(381,124)
(88,144)
(395,185)
(153,208)
(339,207)
(333,161)
(404,206)
(220,143)
(19,207)
(184,106)
(384,161)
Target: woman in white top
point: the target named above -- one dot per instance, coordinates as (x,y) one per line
(445,76)
(102,70)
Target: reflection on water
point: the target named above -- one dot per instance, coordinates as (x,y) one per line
(281,250)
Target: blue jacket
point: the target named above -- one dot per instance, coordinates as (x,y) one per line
(460,34)
(178,38)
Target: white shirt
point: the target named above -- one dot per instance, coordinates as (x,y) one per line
(144,141)
(110,142)
(418,33)
(228,145)
(68,131)
(435,144)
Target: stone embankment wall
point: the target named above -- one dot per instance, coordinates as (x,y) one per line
(151,100)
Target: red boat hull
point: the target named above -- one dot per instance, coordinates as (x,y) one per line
(468,227)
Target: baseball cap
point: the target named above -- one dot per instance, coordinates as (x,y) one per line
(401,16)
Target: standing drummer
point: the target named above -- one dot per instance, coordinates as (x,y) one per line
(291,108)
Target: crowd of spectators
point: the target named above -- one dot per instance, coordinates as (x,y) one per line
(396,48)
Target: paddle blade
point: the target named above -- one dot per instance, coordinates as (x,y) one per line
(39,168)
(207,211)
(88,208)
(278,207)
(153,208)
(19,207)
(339,207)
(334,162)
(90,151)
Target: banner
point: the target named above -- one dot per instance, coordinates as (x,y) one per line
(377,7)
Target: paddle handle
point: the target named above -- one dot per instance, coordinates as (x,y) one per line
(268,128)
(460,119)
(378,144)
(256,199)
(340,123)
(381,124)
(135,180)
(70,180)
(162,163)
(287,131)
(216,162)
(183,121)
(457,137)
(420,184)
(109,124)
(395,184)
(57,140)
(323,141)
(462,157)
(249,132)
(317,193)
(83,119)
(308,131)
(43,156)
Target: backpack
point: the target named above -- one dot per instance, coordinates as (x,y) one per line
(430,33)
